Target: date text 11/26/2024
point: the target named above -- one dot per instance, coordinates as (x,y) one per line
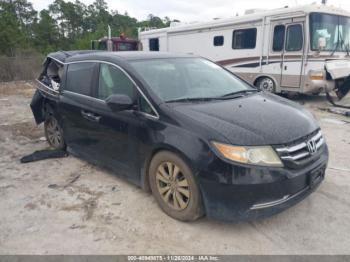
(174,258)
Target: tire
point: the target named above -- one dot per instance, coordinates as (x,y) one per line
(178,195)
(266,84)
(54,133)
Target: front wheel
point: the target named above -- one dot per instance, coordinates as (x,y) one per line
(174,187)
(54,133)
(266,84)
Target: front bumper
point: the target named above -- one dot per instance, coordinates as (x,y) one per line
(238,193)
(315,86)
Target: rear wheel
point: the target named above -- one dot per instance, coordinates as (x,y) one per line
(54,133)
(174,187)
(266,84)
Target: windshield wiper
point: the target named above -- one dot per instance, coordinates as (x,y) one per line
(340,41)
(346,46)
(189,99)
(239,93)
(336,47)
(201,99)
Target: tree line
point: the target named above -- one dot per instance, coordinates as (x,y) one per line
(63,25)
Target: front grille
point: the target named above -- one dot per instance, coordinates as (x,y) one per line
(301,152)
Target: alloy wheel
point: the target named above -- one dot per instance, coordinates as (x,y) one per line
(173,186)
(54,132)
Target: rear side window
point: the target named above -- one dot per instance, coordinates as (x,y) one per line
(113,81)
(79,78)
(278,38)
(294,38)
(244,39)
(218,40)
(154,44)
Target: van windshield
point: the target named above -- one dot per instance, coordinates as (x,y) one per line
(334,29)
(177,79)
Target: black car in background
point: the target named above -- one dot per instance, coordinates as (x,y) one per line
(202,140)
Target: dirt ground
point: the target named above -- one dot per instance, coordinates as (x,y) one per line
(67,206)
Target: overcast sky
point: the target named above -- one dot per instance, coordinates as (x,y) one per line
(194,10)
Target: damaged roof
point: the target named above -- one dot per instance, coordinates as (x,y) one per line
(61,56)
(70,56)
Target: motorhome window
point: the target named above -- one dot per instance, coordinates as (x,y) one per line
(79,78)
(278,38)
(154,44)
(218,40)
(244,39)
(332,30)
(294,38)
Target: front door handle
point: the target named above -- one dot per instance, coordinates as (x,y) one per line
(285,67)
(90,116)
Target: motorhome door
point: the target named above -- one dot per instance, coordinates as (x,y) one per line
(292,61)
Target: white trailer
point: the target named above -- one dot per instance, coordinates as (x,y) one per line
(300,49)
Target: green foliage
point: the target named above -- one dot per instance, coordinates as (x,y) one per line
(64,25)
(16,20)
(46,29)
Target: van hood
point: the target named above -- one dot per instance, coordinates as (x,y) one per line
(257,119)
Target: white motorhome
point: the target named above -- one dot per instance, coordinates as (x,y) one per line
(300,49)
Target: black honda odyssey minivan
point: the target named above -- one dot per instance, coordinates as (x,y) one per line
(203,141)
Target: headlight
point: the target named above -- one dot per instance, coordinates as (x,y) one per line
(254,155)
(316,75)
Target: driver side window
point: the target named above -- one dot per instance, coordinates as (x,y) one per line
(113,81)
(294,38)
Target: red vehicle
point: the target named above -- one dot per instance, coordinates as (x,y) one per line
(120,43)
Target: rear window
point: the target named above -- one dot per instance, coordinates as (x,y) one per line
(79,78)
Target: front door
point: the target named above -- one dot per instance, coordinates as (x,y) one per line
(292,61)
(91,128)
(116,134)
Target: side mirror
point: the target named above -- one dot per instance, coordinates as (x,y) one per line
(119,102)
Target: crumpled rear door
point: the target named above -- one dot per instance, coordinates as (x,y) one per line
(37,107)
